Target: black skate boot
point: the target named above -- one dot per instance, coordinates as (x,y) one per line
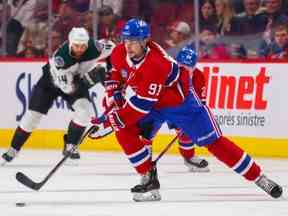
(197,164)
(67,148)
(9,155)
(148,189)
(269,186)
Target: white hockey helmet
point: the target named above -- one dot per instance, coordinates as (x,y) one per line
(78,35)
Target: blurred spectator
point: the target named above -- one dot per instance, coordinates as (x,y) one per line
(29,53)
(23,10)
(137,8)
(237,51)
(210,47)
(67,18)
(56,39)
(29,50)
(251,21)
(278,47)
(56,5)
(225,18)
(178,33)
(251,8)
(116,5)
(14,31)
(87,22)
(207,14)
(238,6)
(274,14)
(80,6)
(110,24)
(37,29)
(185,11)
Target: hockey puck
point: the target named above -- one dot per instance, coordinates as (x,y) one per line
(20,204)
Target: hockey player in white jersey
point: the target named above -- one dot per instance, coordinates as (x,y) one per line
(76,66)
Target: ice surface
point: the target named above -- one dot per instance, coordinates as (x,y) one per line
(99,186)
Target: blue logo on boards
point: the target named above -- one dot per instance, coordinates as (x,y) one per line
(23,88)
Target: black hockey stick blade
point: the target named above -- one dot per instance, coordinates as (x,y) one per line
(25,180)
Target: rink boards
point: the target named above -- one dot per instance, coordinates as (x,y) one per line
(247,99)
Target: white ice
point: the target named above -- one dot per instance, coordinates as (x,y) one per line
(100,184)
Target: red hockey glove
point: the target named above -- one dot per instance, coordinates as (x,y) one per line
(111,86)
(114,95)
(118,99)
(115,121)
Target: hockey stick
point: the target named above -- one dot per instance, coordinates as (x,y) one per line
(164,150)
(28,182)
(25,180)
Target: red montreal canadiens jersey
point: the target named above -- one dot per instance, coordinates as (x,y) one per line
(198,82)
(155,82)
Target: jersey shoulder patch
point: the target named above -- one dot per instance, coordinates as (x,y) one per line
(59,61)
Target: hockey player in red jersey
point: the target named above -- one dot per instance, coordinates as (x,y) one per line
(154,83)
(150,125)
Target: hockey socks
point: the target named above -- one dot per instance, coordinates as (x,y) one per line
(135,149)
(186,150)
(19,138)
(234,157)
(74,133)
(186,146)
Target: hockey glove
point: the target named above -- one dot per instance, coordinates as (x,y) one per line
(94,76)
(112,118)
(101,131)
(118,100)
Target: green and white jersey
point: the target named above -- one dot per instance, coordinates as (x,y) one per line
(64,67)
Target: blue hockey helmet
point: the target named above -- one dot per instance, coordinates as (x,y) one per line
(135,29)
(187,56)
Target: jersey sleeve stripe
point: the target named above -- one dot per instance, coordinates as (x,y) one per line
(141,104)
(142,108)
(174,75)
(137,102)
(129,92)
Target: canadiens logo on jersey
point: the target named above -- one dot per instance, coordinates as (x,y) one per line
(124,73)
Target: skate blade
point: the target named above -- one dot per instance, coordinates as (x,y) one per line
(149,196)
(71,162)
(2,163)
(199,170)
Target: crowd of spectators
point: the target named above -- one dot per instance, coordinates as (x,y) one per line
(228,29)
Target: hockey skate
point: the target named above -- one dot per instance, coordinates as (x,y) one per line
(148,189)
(197,164)
(67,150)
(269,186)
(8,156)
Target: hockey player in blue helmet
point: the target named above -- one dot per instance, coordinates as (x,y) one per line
(151,82)
(187,57)
(136,32)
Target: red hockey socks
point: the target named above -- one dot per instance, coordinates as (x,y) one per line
(186,146)
(234,157)
(135,149)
